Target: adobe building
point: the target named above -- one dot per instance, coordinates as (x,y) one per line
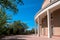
(48,18)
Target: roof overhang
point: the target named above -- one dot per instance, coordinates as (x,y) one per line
(50,7)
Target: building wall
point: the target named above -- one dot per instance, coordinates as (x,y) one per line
(46,2)
(55,22)
(56,18)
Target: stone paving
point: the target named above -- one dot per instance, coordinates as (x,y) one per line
(30,37)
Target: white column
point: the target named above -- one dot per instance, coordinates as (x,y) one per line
(49,23)
(38,26)
(35,29)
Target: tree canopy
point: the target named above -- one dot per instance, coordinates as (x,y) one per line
(11,4)
(3,18)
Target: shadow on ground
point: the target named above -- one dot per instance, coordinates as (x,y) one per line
(12,39)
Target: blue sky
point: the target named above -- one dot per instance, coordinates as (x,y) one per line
(27,12)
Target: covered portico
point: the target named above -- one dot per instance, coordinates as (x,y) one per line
(46,12)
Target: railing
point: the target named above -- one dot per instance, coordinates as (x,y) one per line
(46,6)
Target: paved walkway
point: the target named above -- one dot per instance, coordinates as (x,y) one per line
(30,37)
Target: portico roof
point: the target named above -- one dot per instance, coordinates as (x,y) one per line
(50,6)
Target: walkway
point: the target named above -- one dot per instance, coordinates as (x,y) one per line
(30,37)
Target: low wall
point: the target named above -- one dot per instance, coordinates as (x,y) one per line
(56,31)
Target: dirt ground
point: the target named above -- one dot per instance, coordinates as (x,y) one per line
(29,37)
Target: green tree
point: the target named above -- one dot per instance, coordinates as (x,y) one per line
(32,31)
(3,20)
(10,4)
(17,27)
